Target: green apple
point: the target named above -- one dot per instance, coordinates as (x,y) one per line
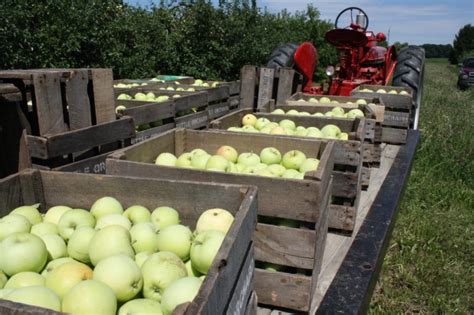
(249,119)
(361,101)
(315,133)
(267,129)
(313,100)
(120,109)
(214,219)
(109,241)
(318,114)
(13,223)
(141,307)
(248,159)
(140,96)
(302,132)
(217,162)
(334,102)
(120,273)
(276,169)
(353,113)
(249,129)
(309,165)
(198,151)
(78,245)
(29,212)
(292,174)
(72,220)
(199,161)
(159,271)
(367,90)
(43,228)
(270,155)
(382,91)
(176,239)
(3,280)
(261,122)
(392,92)
(55,246)
(141,257)
(264,173)
(53,264)
(288,223)
(234,129)
(161,217)
(301,100)
(329,114)
(184,160)
(198,82)
(338,111)
(106,205)
(5,292)
(124,96)
(344,136)
(289,132)
(404,93)
(279,111)
(324,100)
(252,169)
(278,131)
(331,131)
(181,291)
(228,152)
(65,277)
(288,124)
(22,252)
(137,214)
(54,214)
(150,96)
(292,112)
(166,159)
(35,296)
(204,249)
(305,114)
(90,297)
(293,159)
(25,279)
(113,219)
(192,272)
(144,237)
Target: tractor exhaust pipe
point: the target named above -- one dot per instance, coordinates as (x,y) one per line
(361,20)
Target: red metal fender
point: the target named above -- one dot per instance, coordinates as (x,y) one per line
(305,58)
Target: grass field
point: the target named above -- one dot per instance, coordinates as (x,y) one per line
(429,266)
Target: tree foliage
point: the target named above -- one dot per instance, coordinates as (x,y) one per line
(463,44)
(437,51)
(199,40)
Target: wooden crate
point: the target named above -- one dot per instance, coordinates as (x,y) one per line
(259,85)
(347,160)
(233,266)
(342,101)
(397,111)
(299,248)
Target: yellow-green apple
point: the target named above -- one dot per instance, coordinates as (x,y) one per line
(144,237)
(54,214)
(214,219)
(318,114)
(292,174)
(72,220)
(270,155)
(249,119)
(404,93)
(248,159)
(192,272)
(314,132)
(137,214)
(43,228)
(166,159)
(204,249)
(361,101)
(124,96)
(113,219)
(25,279)
(293,159)
(382,91)
(338,111)
(13,223)
(161,217)
(324,100)
(344,136)
(141,307)
(278,131)
(301,131)
(264,173)
(159,271)
(331,131)
(150,96)
(106,205)
(276,169)
(109,241)
(313,100)
(181,291)
(53,264)
(141,257)
(36,296)
(353,113)
(261,122)
(122,274)
(140,96)
(217,162)
(249,129)
(55,246)
(78,245)
(288,124)
(176,239)
(278,111)
(65,277)
(90,297)
(22,252)
(267,129)
(3,279)
(184,160)
(292,112)
(199,161)
(309,165)
(228,152)
(29,212)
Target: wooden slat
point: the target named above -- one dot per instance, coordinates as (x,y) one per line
(248,81)
(103,90)
(285,85)
(265,86)
(148,111)
(94,165)
(79,107)
(394,135)
(372,153)
(396,119)
(147,134)
(82,139)
(218,110)
(193,121)
(252,305)
(48,101)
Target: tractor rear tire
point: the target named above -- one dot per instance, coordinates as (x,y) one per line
(282,57)
(409,72)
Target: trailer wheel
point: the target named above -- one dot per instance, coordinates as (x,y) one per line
(409,72)
(282,57)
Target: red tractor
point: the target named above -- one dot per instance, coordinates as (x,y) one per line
(361,61)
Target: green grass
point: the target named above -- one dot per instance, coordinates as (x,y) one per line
(429,265)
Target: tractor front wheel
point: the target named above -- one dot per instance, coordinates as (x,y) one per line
(409,72)
(282,57)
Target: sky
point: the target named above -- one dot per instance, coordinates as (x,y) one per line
(413,21)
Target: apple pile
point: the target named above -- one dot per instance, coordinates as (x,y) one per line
(129,85)
(252,124)
(93,262)
(382,91)
(327,100)
(200,82)
(148,97)
(335,112)
(270,163)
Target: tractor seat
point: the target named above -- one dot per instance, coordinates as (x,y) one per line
(374,57)
(346,38)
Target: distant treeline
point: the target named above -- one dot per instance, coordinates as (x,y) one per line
(431,50)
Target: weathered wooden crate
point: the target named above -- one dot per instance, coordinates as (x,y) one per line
(229,282)
(347,160)
(342,101)
(397,110)
(303,200)
(259,85)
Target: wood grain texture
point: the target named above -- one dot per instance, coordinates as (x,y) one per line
(394,135)
(248,83)
(147,112)
(103,91)
(285,85)
(265,86)
(79,106)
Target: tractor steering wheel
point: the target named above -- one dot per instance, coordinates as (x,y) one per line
(353,25)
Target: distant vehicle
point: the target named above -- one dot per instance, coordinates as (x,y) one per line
(466,73)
